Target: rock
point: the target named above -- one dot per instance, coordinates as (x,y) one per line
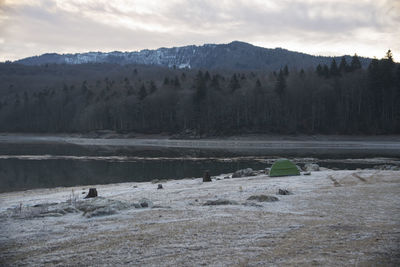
(136,205)
(206,177)
(311,167)
(387,167)
(145,203)
(92,193)
(155,181)
(89,207)
(100,206)
(50,214)
(307,173)
(160,207)
(263,198)
(266,171)
(284,192)
(160,186)
(243,173)
(299,168)
(45,205)
(70,210)
(57,210)
(101,212)
(252,204)
(220,202)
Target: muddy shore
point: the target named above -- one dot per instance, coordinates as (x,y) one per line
(261,145)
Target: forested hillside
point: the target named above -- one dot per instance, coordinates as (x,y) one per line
(339,98)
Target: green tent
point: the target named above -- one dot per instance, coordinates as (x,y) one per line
(283,167)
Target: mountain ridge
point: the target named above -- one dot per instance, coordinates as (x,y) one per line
(235,55)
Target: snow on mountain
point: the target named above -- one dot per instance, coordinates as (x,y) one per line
(235,55)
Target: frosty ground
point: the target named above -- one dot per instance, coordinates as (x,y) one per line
(331,218)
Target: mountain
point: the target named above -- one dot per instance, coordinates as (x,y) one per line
(235,56)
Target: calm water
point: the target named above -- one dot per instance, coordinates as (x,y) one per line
(28,172)
(42,162)
(16,174)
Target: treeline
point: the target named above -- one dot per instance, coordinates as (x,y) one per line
(342,98)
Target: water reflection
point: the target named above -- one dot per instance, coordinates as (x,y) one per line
(18,174)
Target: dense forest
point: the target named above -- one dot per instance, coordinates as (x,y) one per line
(340,98)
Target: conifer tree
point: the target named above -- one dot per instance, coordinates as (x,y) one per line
(280,84)
(286,70)
(153,87)
(325,71)
(234,83)
(355,63)
(319,70)
(343,67)
(142,92)
(334,71)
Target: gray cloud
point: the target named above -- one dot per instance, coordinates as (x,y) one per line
(336,27)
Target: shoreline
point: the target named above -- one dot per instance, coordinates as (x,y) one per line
(331,217)
(240,137)
(306,146)
(215,165)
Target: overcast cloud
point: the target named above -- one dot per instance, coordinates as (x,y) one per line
(319,27)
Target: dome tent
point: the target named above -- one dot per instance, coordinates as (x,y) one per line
(283,167)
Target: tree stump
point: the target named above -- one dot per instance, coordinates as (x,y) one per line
(284,192)
(92,193)
(206,177)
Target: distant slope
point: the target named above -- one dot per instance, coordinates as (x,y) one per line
(235,56)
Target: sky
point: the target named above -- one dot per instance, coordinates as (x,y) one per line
(318,27)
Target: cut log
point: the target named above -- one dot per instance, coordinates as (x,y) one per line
(92,193)
(206,177)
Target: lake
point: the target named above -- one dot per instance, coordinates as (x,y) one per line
(27,163)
